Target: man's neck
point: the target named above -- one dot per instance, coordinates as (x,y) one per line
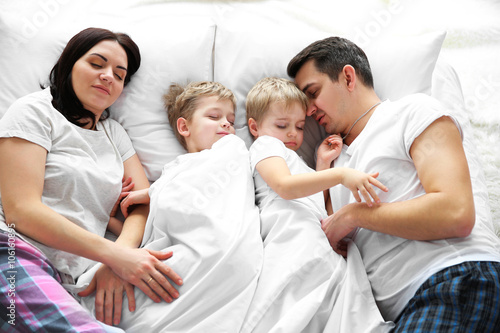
(363,113)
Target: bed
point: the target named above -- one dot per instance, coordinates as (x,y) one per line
(239,42)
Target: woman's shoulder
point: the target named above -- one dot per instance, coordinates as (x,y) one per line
(37,105)
(37,98)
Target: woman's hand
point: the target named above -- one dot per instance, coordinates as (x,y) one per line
(145,269)
(360,182)
(109,295)
(140,267)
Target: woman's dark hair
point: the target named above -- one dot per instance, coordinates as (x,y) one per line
(330,55)
(64,97)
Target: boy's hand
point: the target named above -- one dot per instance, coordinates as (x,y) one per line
(127,186)
(134,198)
(361,182)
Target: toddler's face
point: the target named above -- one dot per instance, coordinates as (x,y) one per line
(212,120)
(286,125)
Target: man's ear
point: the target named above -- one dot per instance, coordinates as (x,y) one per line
(182,127)
(252,126)
(349,76)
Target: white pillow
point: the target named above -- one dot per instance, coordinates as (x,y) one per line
(169,55)
(245,54)
(403,65)
(173,49)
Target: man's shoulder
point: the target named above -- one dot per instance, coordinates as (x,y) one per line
(417,100)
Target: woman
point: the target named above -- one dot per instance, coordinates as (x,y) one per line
(61,173)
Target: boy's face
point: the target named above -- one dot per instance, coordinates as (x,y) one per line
(286,125)
(212,120)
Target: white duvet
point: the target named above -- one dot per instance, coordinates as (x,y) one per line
(203,209)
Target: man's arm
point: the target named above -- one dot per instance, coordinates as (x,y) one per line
(445,211)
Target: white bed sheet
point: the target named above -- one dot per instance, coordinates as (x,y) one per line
(203,209)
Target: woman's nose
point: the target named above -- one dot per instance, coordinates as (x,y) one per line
(107,76)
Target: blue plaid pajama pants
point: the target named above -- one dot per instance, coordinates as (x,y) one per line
(461,298)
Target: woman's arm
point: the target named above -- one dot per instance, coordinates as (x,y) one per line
(276,174)
(22,174)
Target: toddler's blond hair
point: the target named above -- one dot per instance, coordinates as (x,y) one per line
(271,90)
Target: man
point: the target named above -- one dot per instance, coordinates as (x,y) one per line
(432,265)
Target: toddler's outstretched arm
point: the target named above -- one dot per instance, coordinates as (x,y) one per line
(276,174)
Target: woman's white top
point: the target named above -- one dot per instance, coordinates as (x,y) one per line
(83,169)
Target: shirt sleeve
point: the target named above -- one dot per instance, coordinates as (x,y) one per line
(28,119)
(264,147)
(120,139)
(421,116)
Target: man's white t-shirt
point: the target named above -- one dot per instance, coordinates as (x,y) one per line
(395,266)
(83,170)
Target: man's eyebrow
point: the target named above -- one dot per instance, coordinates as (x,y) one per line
(306,87)
(106,59)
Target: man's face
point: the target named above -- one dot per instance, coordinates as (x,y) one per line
(326,98)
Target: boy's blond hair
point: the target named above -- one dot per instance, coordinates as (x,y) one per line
(182,101)
(270,90)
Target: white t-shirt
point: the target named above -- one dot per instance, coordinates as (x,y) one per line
(83,170)
(397,267)
(267,146)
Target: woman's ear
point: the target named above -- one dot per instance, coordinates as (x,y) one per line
(252,126)
(182,127)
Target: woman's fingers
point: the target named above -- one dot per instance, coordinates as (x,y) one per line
(163,288)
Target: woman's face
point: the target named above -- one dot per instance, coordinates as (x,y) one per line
(98,76)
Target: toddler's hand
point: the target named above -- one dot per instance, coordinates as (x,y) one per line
(360,182)
(329,150)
